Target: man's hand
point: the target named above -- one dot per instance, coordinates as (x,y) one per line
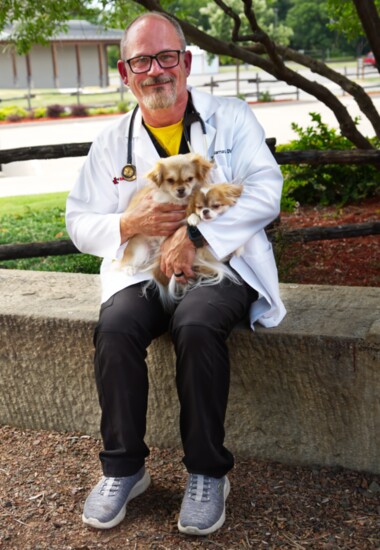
(177,256)
(151,218)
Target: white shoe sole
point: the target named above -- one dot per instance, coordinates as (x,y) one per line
(192,530)
(139,488)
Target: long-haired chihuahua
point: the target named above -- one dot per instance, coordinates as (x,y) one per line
(172,180)
(207,203)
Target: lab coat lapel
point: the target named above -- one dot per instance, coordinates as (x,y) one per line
(198,138)
(144,152)
(205,105)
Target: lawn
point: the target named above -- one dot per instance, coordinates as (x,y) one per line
(38,218)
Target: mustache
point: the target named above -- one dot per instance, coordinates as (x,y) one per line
(154,80)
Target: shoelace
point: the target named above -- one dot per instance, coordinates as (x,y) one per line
(110,486)
(199,488)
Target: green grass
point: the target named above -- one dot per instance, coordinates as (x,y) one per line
(22,204)
(37,218)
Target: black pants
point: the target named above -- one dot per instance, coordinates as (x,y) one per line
(199,328)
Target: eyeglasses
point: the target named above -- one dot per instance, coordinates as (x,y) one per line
(167,59)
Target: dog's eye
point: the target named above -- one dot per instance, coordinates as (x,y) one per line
(171,181)
(189,179)
(216,206)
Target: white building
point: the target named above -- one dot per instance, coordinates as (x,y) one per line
(202,64)
(73,59)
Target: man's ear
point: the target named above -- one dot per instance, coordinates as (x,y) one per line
(188,56)
(122,71)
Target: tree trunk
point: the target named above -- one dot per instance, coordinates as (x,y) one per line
(370,21)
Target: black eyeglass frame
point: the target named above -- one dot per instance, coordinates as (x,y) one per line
(151,57)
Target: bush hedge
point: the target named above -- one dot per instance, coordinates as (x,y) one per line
(15,114)
(325,184)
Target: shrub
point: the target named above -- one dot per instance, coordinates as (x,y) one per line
(123,107)
(55,111)
(39,112)
(13,113)
(103,111)
(329,183)
(78,110)
(264,97)
(14,118)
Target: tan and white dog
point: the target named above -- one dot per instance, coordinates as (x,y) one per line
(207,202)
(172,180)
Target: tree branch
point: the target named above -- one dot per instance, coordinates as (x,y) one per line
(276,68)
(236,19)
(262,36)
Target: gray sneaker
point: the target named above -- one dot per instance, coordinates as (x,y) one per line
(203,506)
(105,506)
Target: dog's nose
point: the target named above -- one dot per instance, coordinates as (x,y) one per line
(206,211)
(181,191)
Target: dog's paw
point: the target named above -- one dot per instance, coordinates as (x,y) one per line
(193,219)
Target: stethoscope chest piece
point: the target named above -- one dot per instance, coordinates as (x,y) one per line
(129,172)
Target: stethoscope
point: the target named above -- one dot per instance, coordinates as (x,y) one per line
(129,170)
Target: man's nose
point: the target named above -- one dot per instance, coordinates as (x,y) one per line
(155,67)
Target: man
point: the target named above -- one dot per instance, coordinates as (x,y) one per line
(155,65)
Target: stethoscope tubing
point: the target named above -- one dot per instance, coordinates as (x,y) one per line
(129,170)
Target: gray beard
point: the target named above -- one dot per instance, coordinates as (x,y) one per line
(160,98)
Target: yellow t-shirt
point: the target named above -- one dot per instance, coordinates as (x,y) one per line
(169,137)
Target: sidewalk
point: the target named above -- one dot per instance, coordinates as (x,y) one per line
(44,176)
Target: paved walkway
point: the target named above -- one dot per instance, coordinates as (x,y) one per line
(44,176)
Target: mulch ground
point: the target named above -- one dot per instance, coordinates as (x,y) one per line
(45,477)
(352,262)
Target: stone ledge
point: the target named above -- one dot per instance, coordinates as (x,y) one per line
(305,392)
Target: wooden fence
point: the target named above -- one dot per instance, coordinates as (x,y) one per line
(307,234)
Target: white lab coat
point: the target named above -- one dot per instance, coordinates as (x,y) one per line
(236,142)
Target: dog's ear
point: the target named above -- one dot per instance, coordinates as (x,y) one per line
(235,190)
(202,167)
(231,191)
(156,175)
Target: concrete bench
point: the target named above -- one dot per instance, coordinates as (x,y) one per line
(305,392)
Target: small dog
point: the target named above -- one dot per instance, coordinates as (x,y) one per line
(172,180)
(206,203)
(209,201)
